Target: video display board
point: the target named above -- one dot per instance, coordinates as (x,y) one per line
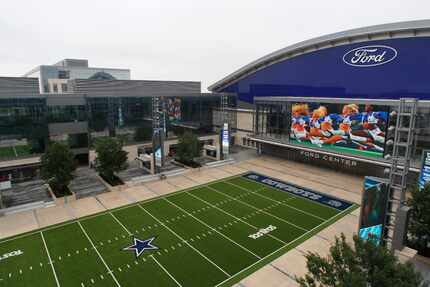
(373,209)
(344,128)
(425,170)
(173,107)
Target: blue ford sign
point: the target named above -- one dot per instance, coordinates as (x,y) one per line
(370,56)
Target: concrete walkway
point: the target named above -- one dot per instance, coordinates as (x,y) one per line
(282,271)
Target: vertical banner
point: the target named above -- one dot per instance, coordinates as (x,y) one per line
(373,209)
(157,144)
(225,139)
(425,170)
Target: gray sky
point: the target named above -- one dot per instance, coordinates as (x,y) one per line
(197,40)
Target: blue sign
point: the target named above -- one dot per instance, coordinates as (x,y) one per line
(300,191)
(370,56)
(425,170)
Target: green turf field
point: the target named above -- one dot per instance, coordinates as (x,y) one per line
(210,235)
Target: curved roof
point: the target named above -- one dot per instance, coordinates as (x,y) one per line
(379,32)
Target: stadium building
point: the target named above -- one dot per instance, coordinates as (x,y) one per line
(94,108)
(331,100)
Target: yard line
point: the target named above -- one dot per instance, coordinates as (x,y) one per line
(120,223)
(259,209)
(50,261)
(98,253)
(207,225)
(185,241)
(237,218)
(290,243)
(274,200)
(165,270)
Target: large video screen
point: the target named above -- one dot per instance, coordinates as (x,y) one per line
(373,209)
(345,128)
(173,106)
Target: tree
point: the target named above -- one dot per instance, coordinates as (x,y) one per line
(364,265)
(188,147)
(111,157)
(143,134)
(58,166)
(419,220)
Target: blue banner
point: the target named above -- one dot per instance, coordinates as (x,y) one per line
(373,209)
(425,170)
(300,191)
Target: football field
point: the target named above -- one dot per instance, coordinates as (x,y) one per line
(209,235)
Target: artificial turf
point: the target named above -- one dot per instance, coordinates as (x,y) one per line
(202,235)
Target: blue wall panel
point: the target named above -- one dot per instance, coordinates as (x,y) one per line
(323,73)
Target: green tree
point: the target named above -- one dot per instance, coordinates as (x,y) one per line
(143,134)
(111,157)
(58,166)
(188,147)
(363,265)
(419,220)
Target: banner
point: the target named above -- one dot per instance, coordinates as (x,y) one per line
(225,139)
(299,191)
(157,144)
(425,170)
(373,209)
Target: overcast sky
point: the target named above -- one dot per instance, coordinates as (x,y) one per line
(197,40)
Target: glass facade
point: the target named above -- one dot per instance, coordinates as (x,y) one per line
(28,124)
(23,127)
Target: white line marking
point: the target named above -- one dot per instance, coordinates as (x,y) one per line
(183,240)
(120,223)
(207,225)
(274,200)
(165,270)
(237,218)
(259,209)
(50,261)
(298,238)
(98,253)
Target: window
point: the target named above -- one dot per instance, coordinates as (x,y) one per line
(63,74)
(54,88)
(64,87)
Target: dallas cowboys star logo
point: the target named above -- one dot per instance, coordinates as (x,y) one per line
(140,246)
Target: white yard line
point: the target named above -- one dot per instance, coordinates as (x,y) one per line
(235,217)
(207,225)
(185,241)
(274,200)
(259,209)
(298,238)
(165,270)
(50,260)
(120,223)
(98,253)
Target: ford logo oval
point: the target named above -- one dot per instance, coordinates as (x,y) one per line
(370,56)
